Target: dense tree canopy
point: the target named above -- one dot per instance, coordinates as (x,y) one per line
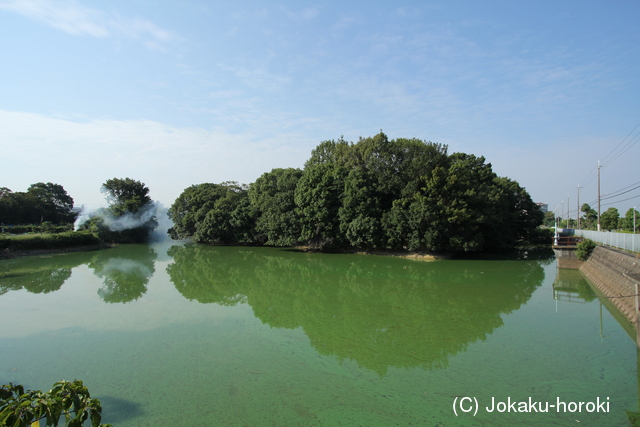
(217,213)
(627,221)
(42,202)
(590,218)
(126,195)
(131,214)
(54,203)
(272,199)
(609,219)
(376,194)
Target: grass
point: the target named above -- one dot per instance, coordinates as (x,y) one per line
(34,241)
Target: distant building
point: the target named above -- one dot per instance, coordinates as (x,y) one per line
(544,208)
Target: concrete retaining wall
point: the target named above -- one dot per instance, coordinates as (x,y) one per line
(607,269)
(567,258)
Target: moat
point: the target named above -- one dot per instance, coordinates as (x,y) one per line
(185,334)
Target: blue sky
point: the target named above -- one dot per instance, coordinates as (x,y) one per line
(175,93)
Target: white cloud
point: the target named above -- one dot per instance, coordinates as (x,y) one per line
(78,20)
(302,15)
(80,156)
(68,17)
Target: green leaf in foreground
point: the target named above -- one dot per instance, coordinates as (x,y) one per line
(21,409)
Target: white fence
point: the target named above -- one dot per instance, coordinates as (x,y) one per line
(627,241)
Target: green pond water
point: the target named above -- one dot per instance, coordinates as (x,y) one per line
(193,335)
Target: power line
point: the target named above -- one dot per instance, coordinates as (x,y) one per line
(627,145)
(624,200)
(620,192)
(590,176)
(623,146)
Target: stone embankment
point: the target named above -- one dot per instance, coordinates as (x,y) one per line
(611,271)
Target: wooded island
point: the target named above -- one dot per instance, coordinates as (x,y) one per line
(400,194)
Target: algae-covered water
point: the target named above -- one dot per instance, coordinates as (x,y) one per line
(193,335)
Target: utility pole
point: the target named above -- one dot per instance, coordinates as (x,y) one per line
(579,205)
(633,247)
(555,219)
(599,198)
(568,213)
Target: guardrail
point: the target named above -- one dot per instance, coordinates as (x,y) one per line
(626,241)
(568,240)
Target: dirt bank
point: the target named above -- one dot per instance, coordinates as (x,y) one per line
(419,256)
(10,254)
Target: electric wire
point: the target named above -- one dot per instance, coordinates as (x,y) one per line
(630,144)
(623,146)
(623,149)
(620,192)
(618,201)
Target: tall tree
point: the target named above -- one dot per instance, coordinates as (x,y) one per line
(19,208)
(516,217)
(55,205)
(590,218)
(219,213)
(130,216)
(360,213)
(627,221)
(6,206)
(329,152)
(229,218)
(273,198)
(126,195)
(377,193)
(191,207)
(609,219)
(460,199)
(317,199)
(549,219)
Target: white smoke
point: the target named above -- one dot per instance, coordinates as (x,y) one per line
(124,222)
(123,265)
(161,232)
(131,220)
(84,216)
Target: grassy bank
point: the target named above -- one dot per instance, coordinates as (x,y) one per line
(47,241)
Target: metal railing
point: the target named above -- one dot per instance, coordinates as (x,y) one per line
(567,240)
(626,241)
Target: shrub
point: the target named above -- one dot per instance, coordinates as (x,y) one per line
(48,241)
(48,227)
(22,408)
(543,236)
(19,229)
(584,249)
(45,227)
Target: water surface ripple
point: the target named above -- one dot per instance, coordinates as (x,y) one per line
(189,335)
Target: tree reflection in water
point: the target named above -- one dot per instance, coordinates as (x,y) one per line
(39,274)
(379,311)
(125,273)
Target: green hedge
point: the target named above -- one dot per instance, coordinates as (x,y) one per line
(45,227)
(48,241)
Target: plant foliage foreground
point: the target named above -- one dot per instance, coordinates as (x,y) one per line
(584,249)
(20,408)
